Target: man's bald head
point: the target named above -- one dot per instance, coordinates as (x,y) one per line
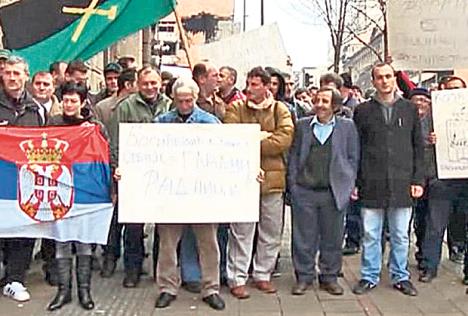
(206,75)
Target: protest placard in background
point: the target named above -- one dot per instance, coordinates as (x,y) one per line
(260,47)
(450,116)
(189,173)
(427,34)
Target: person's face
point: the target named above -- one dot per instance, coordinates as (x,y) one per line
(14,78)
(43,87)
(111,81)
(454,84)
(212,80)
(71,104)
(289,87)
(312,93)
(357,94)
(149,84)
(77,77)
(131,86)
(384,80)
(274,85)
(226,81)
(422,103)
(256,90)
(184,102)
(163,86)
(323,106)
(304,97)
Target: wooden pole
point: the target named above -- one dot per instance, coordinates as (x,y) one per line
(183,37)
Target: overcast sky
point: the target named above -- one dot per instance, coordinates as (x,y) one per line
(305,37)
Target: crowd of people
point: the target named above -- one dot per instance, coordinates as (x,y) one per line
(355,170)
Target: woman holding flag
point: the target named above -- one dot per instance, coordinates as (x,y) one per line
(74,113)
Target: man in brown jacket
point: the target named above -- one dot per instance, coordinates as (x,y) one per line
(276,137)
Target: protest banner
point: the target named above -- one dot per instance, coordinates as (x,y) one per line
(260,47)
(428,34)
(189,173)
(450,116)
(55,183)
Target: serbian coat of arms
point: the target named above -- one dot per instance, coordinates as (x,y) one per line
(45,184)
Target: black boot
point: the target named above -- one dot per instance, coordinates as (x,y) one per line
(63,295)
(83,278)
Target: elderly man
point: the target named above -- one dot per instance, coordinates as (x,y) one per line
(185,93)
(323,165)
(391,174)
(277,133)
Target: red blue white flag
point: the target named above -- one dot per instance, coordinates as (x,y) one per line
(55,183)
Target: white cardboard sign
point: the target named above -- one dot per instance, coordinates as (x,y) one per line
(450,115)
(189,173)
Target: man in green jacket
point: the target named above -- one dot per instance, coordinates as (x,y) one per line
(140,107)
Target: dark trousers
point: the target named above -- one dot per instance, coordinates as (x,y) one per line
(134,250)
(353,226)
(420,215)
(223,234)
(47,250)
(114,241)
(316,224)
(18,253)
(444,197)
(456,231)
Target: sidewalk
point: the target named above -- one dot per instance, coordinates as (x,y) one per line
(444,296)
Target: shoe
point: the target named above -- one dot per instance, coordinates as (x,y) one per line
(215,302)
(300,288)
(108,267)
(265,286)
(426,276)
(83,279)
(363,286)
(240,292)
(192,287)
(63,296)
(350,251)
(332,288)
(16,291)
(131,279)
(164,300)
(406,287)
(465,280)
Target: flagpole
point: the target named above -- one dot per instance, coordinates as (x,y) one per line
(183,37)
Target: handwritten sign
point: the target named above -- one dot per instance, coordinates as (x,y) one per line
(189,173)
(428,34)
(450,115)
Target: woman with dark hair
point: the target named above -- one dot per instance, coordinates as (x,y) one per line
(74,113)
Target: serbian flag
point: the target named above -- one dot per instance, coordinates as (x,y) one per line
(55,183)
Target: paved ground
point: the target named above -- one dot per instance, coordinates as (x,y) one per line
(445,296)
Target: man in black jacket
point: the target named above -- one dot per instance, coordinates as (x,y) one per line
(17,108)
(391,174)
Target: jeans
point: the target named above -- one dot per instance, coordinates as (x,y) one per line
(223,235)
(371,260)
(189,264)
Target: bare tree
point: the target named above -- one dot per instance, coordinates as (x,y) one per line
(335,14)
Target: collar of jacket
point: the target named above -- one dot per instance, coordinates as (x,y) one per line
(265,104)
(26,101)
(396,98)
(139,99)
